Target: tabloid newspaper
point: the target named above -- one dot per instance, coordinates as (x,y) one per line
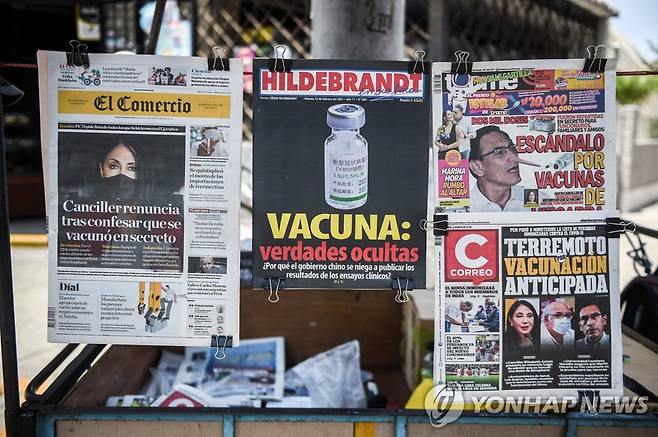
(527,304)
(255,370)
(142,167)
(340,152)
(524,136)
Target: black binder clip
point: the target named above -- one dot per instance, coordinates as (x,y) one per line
(615,226)
(418,65)
(595,63)
(78,56)
(218,62)
(461,66)
(396,284)
(589,400)
(274,284)
(279,64)
(220,343)
(439,225)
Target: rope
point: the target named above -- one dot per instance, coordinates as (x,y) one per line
(249,73)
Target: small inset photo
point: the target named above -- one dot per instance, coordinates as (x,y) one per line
(487,348)
(473,376)
(165,75)
(471,314)
(209,141)
(206,264)
(531,198)
(542,123)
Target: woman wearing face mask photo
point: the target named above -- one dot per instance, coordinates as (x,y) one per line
(100,172)
(521,330)
(121,167)
(124,174)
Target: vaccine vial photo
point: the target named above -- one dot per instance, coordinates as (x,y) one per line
(346,158)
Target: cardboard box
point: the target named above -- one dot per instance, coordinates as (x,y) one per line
(417,333)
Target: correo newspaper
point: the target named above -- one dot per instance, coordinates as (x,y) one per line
(527,304)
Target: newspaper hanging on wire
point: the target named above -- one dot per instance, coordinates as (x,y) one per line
(142,168)
(528,304)
(340,180)
(524,136)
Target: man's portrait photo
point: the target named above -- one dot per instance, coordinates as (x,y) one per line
(207,265)
(494,163)
(592,323)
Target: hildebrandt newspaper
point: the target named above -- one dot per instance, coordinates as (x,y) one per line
(142,167)
(525,304)
(338,195)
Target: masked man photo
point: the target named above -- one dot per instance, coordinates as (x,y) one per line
(556,333)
